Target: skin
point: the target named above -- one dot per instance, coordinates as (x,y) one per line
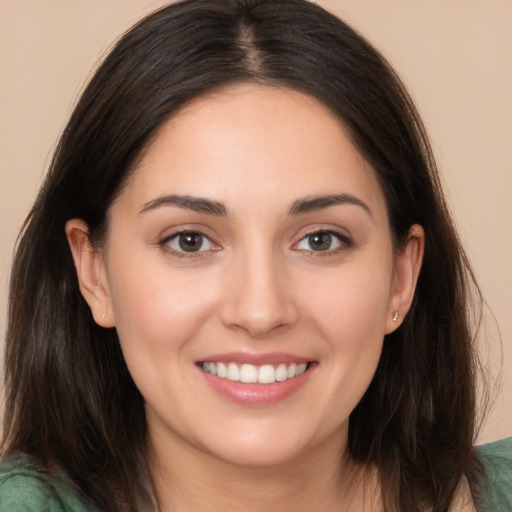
(256,286)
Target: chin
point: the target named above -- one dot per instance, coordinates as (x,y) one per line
(258,456)
(270,443)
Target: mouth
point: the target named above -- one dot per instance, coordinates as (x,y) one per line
(254,374)
(256,380)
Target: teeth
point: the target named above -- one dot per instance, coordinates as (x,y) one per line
(248,373)
(222,371)
(251,374)
(281,372)
(266,374)
(233,372)
(301,369)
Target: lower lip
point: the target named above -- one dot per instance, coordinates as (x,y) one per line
(257,394)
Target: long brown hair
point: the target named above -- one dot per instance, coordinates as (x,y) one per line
(70,400)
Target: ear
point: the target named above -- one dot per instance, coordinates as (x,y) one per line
(91,272)
(407,266)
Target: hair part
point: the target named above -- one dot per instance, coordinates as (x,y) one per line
(70,400)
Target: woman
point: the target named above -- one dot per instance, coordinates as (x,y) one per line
(245,290)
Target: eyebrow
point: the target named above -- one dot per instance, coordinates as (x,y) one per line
(197,204)
(320,202)
(210,207)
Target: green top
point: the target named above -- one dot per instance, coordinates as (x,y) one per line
(497,460)
(25,490)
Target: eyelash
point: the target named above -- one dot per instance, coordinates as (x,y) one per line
(344,241)
(165,243)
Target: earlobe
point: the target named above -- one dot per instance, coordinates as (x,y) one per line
(90,271)
(407,266)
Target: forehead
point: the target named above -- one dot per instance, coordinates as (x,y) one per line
(261,142)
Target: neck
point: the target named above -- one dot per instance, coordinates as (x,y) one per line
(188,480)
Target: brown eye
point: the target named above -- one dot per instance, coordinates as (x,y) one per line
(320,241)
(188,242)
(324,241)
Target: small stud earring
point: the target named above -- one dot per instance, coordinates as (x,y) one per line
(395,316)
(104,314)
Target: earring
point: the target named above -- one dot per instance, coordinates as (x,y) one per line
(395,316)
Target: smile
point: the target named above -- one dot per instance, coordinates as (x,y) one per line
(252,374)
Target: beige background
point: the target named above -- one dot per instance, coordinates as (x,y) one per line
(454,55)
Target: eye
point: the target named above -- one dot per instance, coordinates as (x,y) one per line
(323,241)
(188,242)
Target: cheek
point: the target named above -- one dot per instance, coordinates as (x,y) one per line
(355,335)
(354,303)
(155,308)
(351,313)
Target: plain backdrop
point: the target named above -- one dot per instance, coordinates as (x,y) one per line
(454,55)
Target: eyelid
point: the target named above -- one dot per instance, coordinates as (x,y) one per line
(346,241)
(164,243)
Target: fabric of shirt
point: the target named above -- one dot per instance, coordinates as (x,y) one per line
(497,485)
(23,489)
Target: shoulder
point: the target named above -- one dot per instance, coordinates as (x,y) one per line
(496,458)
(24,488)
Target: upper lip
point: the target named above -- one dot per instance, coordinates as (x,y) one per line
(256,359)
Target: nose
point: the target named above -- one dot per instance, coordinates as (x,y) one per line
(257,298)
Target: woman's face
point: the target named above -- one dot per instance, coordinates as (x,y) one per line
(252,242)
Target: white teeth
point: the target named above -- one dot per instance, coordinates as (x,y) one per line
(292,369)
(281,372)
(222,370)
(233,372)
(301,368)
(248,374)
(266,374)
(251,374)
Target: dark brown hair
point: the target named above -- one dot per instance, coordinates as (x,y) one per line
(70,401)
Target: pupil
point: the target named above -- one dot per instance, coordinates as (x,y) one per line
(320,241)
(190,242)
